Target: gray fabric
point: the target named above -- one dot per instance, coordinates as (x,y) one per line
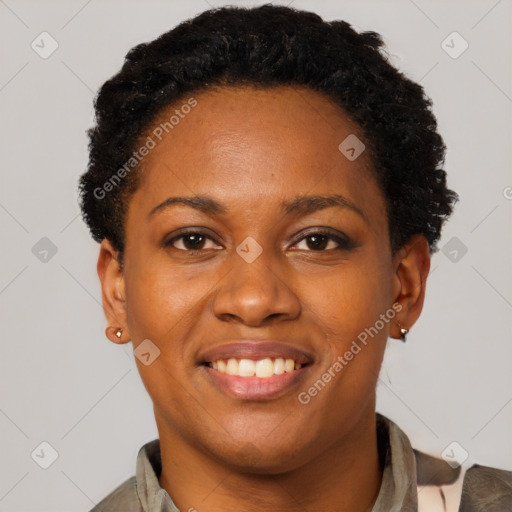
(432,471)
(487,490)
(398,488)
(484,489)
(123,498)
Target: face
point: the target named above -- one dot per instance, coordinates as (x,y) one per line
(277,250)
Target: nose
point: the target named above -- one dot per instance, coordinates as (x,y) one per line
(255,294)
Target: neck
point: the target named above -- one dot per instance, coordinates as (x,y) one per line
(346,477)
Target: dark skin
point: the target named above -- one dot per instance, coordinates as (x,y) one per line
(250,150)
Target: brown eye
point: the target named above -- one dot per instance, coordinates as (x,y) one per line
(191,241)
(317,242)
(322,241)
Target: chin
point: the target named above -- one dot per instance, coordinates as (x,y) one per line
(263,459)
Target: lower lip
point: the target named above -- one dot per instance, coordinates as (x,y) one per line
(256,388)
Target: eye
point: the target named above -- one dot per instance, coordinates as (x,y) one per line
(319,240)
(322,240)
(190,241)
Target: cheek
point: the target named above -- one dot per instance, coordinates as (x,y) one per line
(351,308)
(162,304)
(164,307)
(352,302)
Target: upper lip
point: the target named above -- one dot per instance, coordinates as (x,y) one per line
(255,350)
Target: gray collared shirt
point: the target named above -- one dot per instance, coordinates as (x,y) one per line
(411,482)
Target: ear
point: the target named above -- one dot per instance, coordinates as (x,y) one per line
(411,267)
(113,295)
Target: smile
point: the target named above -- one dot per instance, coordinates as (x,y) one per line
(255,370)
(255,380)
(262,368)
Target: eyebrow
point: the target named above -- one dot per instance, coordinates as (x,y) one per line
(303,205)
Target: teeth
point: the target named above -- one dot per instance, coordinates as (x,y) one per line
(232,367)
(246,368)
(279,366)
(289,365)
(263,368)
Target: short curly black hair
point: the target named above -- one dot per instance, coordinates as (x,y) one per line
(271,46)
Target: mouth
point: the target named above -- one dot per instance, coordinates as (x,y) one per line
(261,368)
(255,371)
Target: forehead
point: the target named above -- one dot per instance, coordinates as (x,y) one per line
(253,147)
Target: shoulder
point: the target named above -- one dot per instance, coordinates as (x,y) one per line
(122,499)
(486,489)
(478,489)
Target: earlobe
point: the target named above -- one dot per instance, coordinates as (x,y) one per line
(412,265)
(115,334)
(113,297)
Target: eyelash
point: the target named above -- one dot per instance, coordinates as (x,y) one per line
(344,243)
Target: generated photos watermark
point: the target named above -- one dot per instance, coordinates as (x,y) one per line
(137,156)
(305,397)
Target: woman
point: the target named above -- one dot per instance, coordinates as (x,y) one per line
(267,192)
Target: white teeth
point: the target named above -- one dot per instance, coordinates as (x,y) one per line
(289,365)
(246,368)
(263,368)
(232,367)
(279,366)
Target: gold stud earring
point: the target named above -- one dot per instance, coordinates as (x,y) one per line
(118,331)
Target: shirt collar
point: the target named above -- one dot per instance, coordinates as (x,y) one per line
(398,490)
(152,496)
(397,493)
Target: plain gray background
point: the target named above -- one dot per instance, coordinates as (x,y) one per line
(64,383)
